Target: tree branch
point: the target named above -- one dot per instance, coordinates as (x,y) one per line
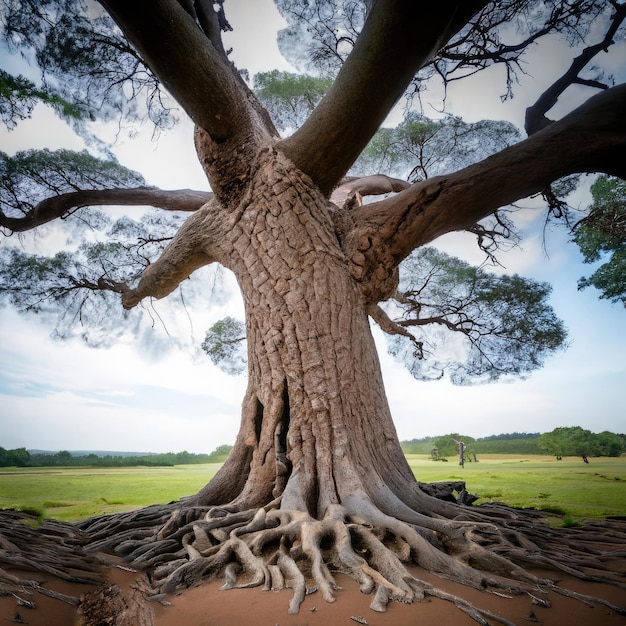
(590,139)
(186,252)
(385,58)
(170,42)
(536,114)
(352,190)
(65,204)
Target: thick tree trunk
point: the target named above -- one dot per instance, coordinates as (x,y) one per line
(316,427)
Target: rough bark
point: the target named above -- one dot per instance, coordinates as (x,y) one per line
(314,377)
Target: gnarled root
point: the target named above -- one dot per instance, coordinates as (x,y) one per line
(182,545)
(277,549)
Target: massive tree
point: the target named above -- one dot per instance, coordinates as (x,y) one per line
(316,479)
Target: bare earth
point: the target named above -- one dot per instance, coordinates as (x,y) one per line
(208,606)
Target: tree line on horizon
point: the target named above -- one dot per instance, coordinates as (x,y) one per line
(562,441)
(21,457)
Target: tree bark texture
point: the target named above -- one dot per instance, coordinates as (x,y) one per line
(315,416)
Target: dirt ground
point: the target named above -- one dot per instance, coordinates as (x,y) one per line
(208,606)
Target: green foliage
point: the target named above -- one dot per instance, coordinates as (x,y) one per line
(219,454)
(20,457)
(602,236)
(419,148)
(31,176)
(225,343)
(518,445)
(570,522)
(80,287)
(417,446)
(447,445)
(18,97)
(76,47)
(83,299)
(609,444)
(504,443)
(289,98)
(501,325)
(577,441)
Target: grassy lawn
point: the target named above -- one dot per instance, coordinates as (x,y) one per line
(568,487)
(75,493)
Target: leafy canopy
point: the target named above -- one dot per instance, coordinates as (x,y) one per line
(30,176)
(601,235)
(419,148)
(577,441)
(289,98)
(475,325)
(225,344)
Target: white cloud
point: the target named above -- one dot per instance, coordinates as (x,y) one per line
(64,395)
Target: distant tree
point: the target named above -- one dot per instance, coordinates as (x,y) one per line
(219,454)
(609,444)
(570,441)
(18,457)
(514,435)
(63,457)
(417,446)
(448,444)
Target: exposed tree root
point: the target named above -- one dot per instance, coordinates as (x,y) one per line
(484,547)
(51,547)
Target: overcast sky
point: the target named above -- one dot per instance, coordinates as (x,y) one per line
(156,393)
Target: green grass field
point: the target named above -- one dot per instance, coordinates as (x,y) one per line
(75,493)
(568,487)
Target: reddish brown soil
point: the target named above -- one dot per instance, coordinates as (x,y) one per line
(207,606)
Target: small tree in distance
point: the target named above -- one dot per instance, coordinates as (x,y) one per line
(316,479)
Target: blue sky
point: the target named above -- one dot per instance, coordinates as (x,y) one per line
(64,395)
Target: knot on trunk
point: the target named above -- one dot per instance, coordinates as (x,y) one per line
(378,280)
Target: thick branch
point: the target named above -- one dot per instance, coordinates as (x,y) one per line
(590,139)
(64,204)
(187,252)
(171,43)
(385,58)
(351,191)
(536,114)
